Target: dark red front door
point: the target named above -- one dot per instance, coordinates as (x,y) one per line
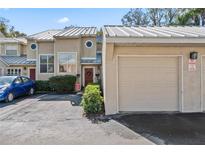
(33,74)
(88,75)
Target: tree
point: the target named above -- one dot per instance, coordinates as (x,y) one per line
(192,17)
(4,25)
(135,17)
(156,15)
(171,15)
(14,33)
(200,12)
(7,30)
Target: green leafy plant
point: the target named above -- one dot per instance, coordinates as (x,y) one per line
(62,84)
(92,101)
(42,86)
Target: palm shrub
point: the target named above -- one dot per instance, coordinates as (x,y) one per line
(92,101)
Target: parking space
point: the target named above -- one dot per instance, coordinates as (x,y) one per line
(58,119)
(174,129)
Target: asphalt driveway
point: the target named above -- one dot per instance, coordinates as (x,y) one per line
(58,119)
(167,128)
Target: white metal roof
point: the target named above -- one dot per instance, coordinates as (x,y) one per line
(17,60)
(45,35)
(13,40)
(49,35)
(154,32)
(77,32)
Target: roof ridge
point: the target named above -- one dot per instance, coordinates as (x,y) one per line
(45,31)
(154,26)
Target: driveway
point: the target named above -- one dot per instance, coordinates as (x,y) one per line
(167,128)
(58,119)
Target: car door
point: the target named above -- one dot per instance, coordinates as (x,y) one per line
(18,89)
(27,84)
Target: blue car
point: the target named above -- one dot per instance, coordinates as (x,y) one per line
(15,86)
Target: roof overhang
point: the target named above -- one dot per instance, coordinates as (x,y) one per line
(73,37)
(141,40)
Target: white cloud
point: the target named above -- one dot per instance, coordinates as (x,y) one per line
(63,20)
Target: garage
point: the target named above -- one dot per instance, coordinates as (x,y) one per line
(153,69)
(203,81)
(148,83)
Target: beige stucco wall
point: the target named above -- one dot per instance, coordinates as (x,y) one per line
(88,52)
(191,80)
(23,49)
(2,66)
(30,53)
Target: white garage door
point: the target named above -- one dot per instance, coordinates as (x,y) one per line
(148,83)
(203,75)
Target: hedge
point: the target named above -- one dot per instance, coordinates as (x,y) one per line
(92,101)
(42,86)
(62,84)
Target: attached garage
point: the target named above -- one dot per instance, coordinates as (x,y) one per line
(148,69)
(154,84)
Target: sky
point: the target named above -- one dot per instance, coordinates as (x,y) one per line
(32,21)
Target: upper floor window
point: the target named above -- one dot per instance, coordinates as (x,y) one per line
(33,46)
(88,43)
(11,50)
(46,63)
(67,63)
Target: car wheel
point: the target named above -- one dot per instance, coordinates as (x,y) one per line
(31,91)
(10,97)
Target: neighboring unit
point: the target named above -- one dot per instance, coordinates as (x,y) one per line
(153,69)
(13,60)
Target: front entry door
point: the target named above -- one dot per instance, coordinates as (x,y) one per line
(88,75)
(32,73)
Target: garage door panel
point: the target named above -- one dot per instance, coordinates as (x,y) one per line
(148,83)
(203,74)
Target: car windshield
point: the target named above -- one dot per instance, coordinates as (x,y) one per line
(5,80)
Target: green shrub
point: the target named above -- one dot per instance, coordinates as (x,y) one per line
(42,85)
(62,84)
(92,101)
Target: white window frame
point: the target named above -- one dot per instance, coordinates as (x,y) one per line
(39,64)
(14,70)
(86,43)
(58,62)
(11,55)
(16,46)
(36,46)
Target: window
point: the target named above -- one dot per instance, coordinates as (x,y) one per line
(18,81)
(46,63)
(67,63)
(11,50)
(13,71)
(88,44)
(25,79)
(33,46)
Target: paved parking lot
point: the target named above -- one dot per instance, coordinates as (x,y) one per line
(167,128)
(58,119)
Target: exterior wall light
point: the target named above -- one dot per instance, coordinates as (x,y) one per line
(193,55)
